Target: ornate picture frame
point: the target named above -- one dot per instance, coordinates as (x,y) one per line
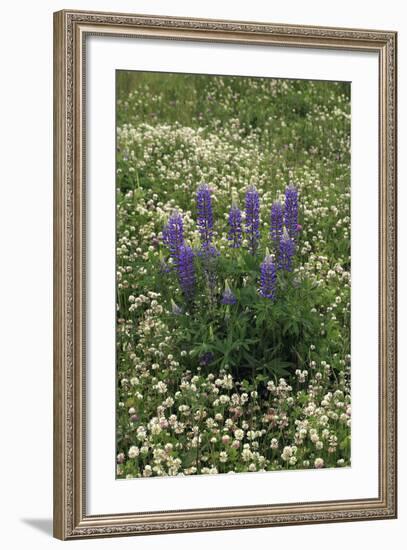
(71,30)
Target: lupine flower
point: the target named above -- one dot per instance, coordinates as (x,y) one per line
(276,222)
(173,235)
(268,278)
(228,298)
(186,271)
(176,310)
(208,252)
(252,218)
(291,211)
(287,251)
(235,227)
(205,215)
(206,358)
(164,267)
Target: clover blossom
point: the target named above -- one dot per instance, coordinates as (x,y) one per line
(287,251)
(235,227)
(291,211)
(173,235)
(252,209)
(205,214)
(276,222)
(268,278)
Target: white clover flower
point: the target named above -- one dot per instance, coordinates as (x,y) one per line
(287,453)
(323,420)
(169,402)
(141,433)
(271,386)
(244,398)
(314,436)
(147,472)
(133,452)
(239,434)
(319,463)
(235,399)
(120,458)
(246,455)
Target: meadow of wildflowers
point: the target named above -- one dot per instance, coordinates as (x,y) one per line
(233,275)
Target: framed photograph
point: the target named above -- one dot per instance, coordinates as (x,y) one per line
(225,274)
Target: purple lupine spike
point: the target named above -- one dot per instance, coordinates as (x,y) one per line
(164,267)
(206,358)
(291,211)
(176,310)
(268,278)
(287,251)
(173,235)
(228,298)
(204,214)
(186,271)
(276,222)
(235,227)
(252,218)
(207,253)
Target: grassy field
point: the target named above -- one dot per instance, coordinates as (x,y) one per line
(233,274)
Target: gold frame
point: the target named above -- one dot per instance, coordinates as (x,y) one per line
(70,31)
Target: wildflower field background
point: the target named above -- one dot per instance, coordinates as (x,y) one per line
(233,274)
